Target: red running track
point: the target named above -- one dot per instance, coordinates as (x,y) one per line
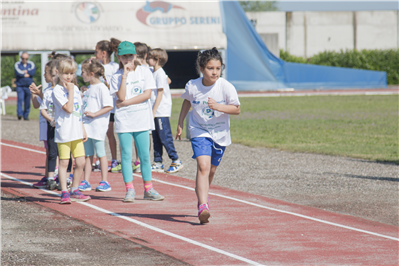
(244,228)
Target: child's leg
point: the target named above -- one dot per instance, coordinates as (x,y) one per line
(64,150)
(111,139)
(202,178)
(88,168)
(100,150)
(137,154)
(157,143)
(143,143)
(125,142)
(78,152)
(46,167)
(212,173)
(162,126)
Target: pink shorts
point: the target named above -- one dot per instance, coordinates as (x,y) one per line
(45,144)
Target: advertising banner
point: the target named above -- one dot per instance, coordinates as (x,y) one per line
(29,25)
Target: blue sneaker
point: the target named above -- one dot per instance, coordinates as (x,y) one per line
(157,167)
(174,167)
(84,186)
(104,186)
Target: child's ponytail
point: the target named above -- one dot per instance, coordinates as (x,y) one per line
(95,66)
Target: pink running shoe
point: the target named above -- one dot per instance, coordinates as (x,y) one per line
(77,196)
(65,198)
(41,184)
(203,213)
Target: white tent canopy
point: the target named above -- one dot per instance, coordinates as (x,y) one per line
(78,26)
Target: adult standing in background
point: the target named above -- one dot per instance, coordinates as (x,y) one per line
(24,71)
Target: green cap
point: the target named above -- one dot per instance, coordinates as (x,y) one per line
(126,48)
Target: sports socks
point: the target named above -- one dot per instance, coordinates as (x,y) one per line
(147,186)
(129,187)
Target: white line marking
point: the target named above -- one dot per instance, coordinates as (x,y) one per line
(156,229)
(22,148)
(281,211)
(268,208)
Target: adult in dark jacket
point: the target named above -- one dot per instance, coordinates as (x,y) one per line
(24,71)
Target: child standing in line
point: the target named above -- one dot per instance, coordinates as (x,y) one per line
(104,50)
(69,130)
(162,108)
(213,99)
(97,104)
(37,99)
(132,85)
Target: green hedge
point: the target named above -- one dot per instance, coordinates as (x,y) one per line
(379,60)
(8,74)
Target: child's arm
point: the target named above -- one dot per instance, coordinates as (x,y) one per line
(227,109)
(46,115)
(35,102)
(84,133)
(100,112)
(121,93)
(35,90)
(68,107)
(169,80)
(184,110)
(157,101)
(135,100)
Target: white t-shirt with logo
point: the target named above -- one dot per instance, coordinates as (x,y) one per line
(109,70)
(68,127)
(135,117)
(42,120)
(165,106)
(47,104)
(205,122)
(94,99)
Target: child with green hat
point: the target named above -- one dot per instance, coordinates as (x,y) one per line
(132,85)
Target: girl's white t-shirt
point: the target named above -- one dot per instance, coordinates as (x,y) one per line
(205,122)
(109,70)
(165,106)
(135,117)
(47,104)
(96,98)
(68,127)
(42,120)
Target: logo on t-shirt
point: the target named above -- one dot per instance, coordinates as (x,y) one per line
(136,90)
(208,112)
(76,110)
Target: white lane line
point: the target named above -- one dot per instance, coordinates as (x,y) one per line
(272,209)
(281,211)
(156,229)
(22,148)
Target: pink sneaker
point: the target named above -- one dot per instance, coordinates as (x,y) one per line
(41,184)
(78,196)
(203,213)
(65,198)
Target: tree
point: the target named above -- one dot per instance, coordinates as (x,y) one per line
(258,6)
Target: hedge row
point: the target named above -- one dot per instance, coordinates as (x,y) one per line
(379,60)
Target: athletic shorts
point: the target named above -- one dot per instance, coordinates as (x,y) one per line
(206,146)
(92,144)
(111,117)
(65,149)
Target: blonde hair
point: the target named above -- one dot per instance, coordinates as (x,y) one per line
(159,55)
(95,66)
(66,65)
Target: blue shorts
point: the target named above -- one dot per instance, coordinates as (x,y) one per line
(90,144)
(206,146)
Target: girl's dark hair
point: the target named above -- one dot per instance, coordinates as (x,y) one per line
(109,46)
(95,66)
(141,50)
(54,55)
(204,57)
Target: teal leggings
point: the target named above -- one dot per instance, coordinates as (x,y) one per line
(142,140)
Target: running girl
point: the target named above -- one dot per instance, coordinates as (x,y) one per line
(213,99)
(104,50)
(97,104)
(69,131)
(132,85)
